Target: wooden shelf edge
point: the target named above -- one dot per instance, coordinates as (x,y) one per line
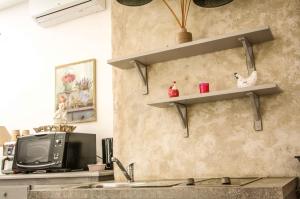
(264,89)
(193,48)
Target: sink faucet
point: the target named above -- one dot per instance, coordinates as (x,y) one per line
(129,172)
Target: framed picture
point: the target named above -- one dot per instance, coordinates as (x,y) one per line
(75,88)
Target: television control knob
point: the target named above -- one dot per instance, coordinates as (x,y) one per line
(58,141)
(55,156)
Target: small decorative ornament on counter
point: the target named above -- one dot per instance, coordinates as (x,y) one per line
(96,167)
(204,87)
(15,134)
(60,120)
(243,82)
(4,135)
(25,133)
(173,91)
(55,128)
(60,115)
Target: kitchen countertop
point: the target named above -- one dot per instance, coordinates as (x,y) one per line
(56,178)
(57,175)
(271,188)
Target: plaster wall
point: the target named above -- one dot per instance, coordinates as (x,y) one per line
(222,141)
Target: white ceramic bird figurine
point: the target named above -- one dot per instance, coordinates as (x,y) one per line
(246,82)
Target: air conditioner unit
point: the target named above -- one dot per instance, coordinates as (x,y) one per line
(8,3)
(51,12)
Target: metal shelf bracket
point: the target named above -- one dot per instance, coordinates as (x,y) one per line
(250,61)
(182,112)
(143,73)
(254,99)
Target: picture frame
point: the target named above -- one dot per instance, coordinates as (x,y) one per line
(75,87)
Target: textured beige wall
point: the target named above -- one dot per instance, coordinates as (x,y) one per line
(222,140)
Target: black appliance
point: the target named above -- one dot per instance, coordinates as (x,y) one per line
(55,151)
(107,152)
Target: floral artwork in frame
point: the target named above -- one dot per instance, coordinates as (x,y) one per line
(75,86)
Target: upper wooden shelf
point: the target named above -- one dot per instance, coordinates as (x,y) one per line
(194,48)
(264,89)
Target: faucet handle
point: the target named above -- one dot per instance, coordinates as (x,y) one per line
(131,165)
(130,170)
(113,159)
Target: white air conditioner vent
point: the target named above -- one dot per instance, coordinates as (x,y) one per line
(48,13)
(8,3)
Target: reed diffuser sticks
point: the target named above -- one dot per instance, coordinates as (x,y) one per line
(185,8)
(182,36)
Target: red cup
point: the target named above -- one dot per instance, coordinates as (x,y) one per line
(204,87)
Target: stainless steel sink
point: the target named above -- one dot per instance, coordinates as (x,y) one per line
(129,184)
(112,185)
(167,183)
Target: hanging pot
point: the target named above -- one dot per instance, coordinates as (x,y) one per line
(133,2)
(211,3)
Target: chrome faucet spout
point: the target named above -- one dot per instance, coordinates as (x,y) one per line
(128,173)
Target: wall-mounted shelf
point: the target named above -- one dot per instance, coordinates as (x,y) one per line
(264,89)
(198,47)
(194,48)
(252,92)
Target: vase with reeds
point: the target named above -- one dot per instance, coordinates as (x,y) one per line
(183,35)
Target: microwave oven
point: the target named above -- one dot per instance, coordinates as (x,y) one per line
(54,151)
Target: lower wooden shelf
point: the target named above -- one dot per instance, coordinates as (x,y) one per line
(264,89)
(252,92)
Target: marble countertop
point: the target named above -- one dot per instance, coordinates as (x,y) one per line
(77,174)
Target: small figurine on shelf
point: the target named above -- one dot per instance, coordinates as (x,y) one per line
(60,115)
(173,91)
(243,82)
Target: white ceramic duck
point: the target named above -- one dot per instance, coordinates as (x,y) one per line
(246,82)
